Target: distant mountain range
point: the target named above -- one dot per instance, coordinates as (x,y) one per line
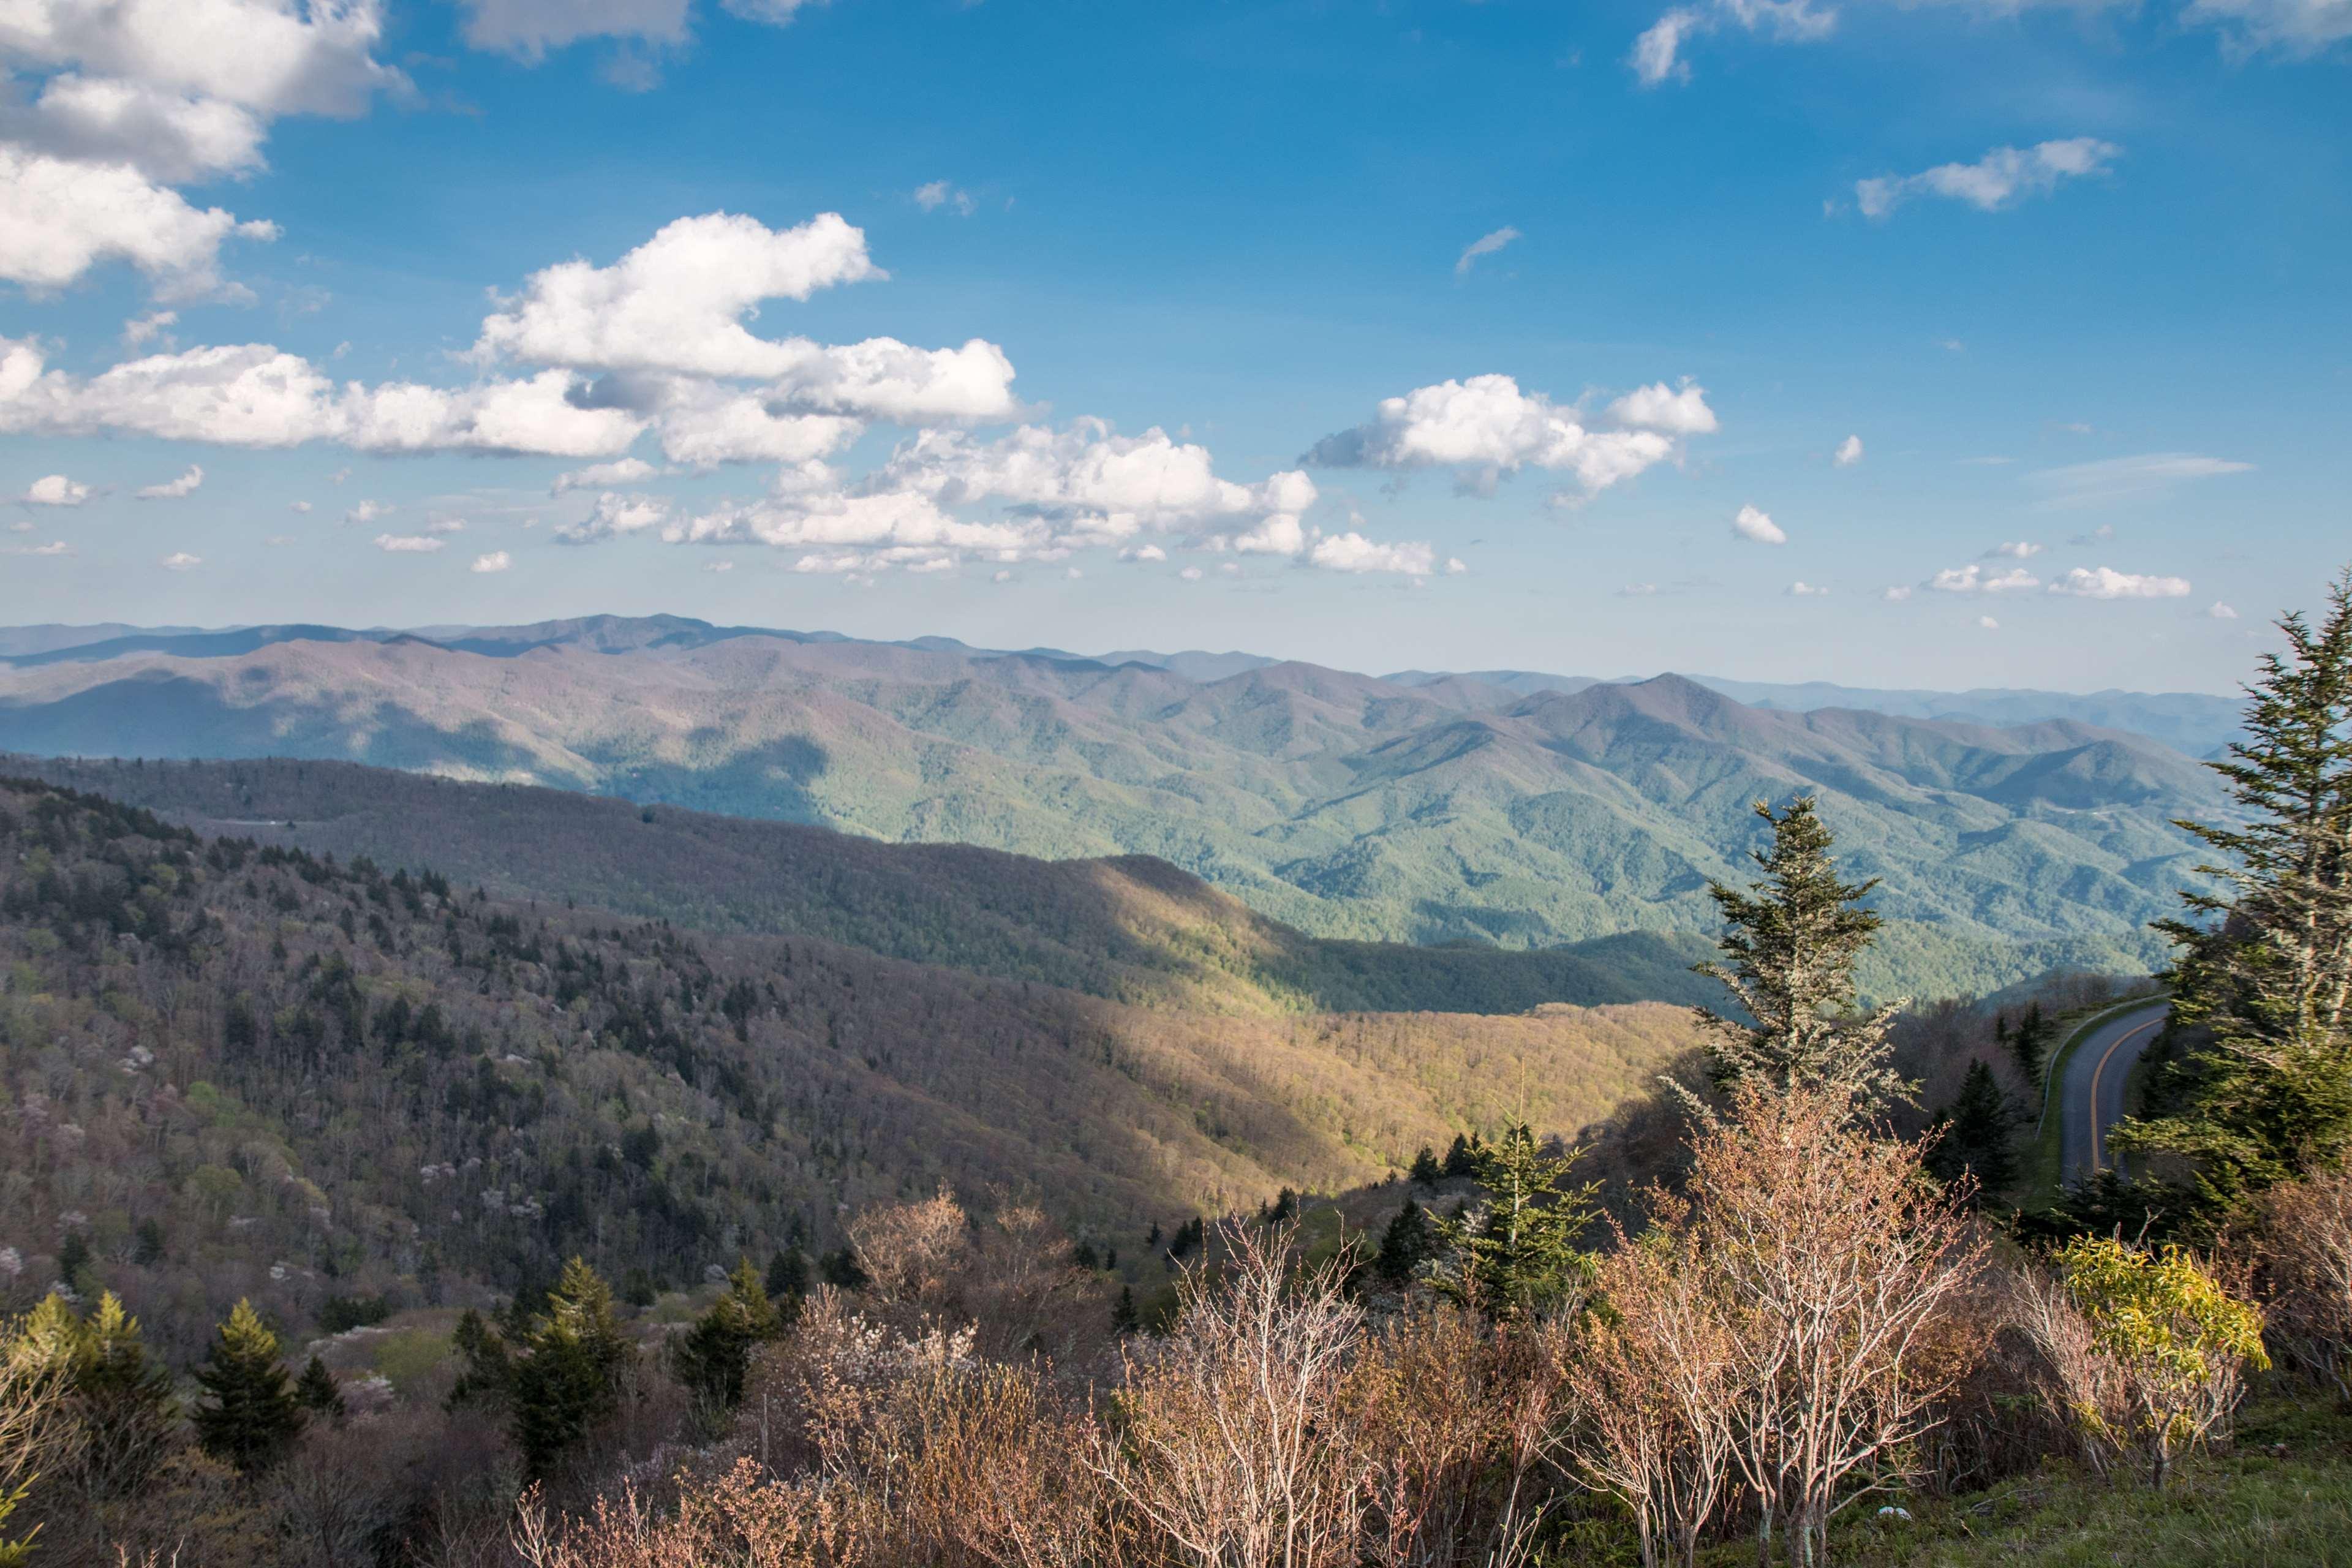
(1498,807)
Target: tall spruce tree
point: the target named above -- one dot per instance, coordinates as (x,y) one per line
(1409,1241)
(249,1417)
(1792,940)
(713,1357)
(318,1391)
(2029,1045)
(1977,1136)
(1519,1254)
(567,1381)
(2263,971)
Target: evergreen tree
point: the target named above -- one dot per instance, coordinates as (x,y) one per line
(1977,1136)
(1792,940)
(2028,1045)
(840,1270)
(1285,1204)
(1518,1255)
(1123,1317)
(1426,1171)
(567,1381)
(250,1417)
(317,1392)
(148,1251)
(712,1356)
(73,1257)
(1409,1241)
(128,1408)
(487,1365)
(1461,1158)
(2263,968)
(788,1278)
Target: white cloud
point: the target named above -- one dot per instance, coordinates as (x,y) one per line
(1638,591)
(55,547)
(613,515)
(257,395)
(139,330)
(444,525)
(1485,427)
(273,56)
(496,561)
(408,543)
(677,302)
(55,490)
(2106,583)
(1485,244)
(527,30)
(1191,574)
(718,568)
(2125,478)
(1353,553)
(298,506)
(1143,553)
(1974,579)
(1752,523)
(181,560)
(60,218)
(1849,452)
(2220,612)
(2292,27)
(173,490)
(1898,594)
(2014,550)
(1002,574)
(1996,180)
(940,194)
(2098,535)
(1804,590)
(1657,53)
(1988,623)
(602,476)
(366,513)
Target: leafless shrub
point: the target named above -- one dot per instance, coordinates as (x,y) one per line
(2305,1253)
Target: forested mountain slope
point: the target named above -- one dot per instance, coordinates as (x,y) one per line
(1346,806)
(236,1070)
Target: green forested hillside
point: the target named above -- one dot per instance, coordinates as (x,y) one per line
(236,1070)
(1346,807)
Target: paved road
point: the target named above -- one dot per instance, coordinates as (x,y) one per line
(2091,1091)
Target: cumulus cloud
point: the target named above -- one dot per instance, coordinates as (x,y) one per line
(53,548)
(1988,623)
(2116,480)
(1657,53)
(1974,579)
(613,515)
(408,543)
(366,513)
(602,476)
(181,560)
(2014,550)
(1354,552)
(298,506)
(527,29)
(1997,180)
(1657,56)
(1898,594)
(138,96)
(1485,427)
(173,490)
(257,395)
(1485,244)
(2292,27)
(139,330)
(1801,589)
(55,490)
(1749,522)
(496,561)
(1849,452)
(2219,611)
(2106,583)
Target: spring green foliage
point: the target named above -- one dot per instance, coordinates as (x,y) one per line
(1979,1136)
(2264,967)
(566,1378)
(1519,1254)
(249,1415)
(1792,940)
(712,1356)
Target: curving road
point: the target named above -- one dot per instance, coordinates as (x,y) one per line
(2091,1088)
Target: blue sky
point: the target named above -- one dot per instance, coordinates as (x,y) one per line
(2070,278)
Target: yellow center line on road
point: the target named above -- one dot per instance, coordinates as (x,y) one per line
(2101,1067)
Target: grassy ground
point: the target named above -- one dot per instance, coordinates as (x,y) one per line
(2282,1497)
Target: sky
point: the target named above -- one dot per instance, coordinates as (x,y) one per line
(1946,343)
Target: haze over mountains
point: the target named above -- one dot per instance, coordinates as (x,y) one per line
(1503,808)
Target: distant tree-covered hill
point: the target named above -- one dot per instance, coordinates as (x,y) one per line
(1348,808)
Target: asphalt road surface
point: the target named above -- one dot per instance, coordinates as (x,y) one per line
(2091,1091)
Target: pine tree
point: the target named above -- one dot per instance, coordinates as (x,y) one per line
(1124,1319)
(1518,1255)
(317,1392)
(1977,1136)
(788,1278)
(487,1365)
(1409,1241)
(2030,1043)
(251,1417)
(841,1269)
(568,1379)
(128,1408)
(1792,940)
(1461,1158)
(73,1257)
(2264,967)
(1426,1171)
(713,1357)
